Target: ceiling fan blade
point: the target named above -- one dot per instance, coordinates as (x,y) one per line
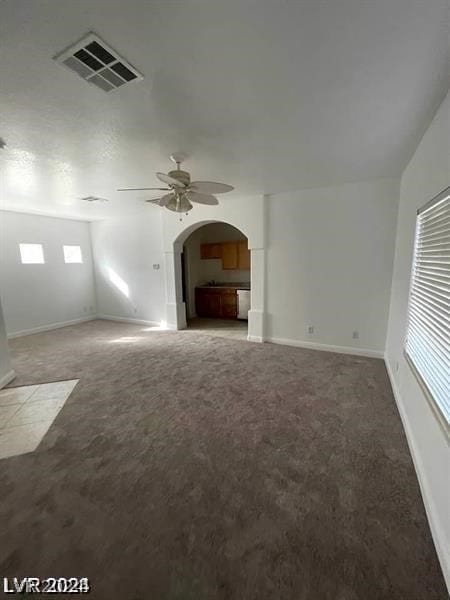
(210,187)
(202,198)
(142,189)
(169,180)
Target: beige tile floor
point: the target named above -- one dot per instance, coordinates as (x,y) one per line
(27,412)
(228,328)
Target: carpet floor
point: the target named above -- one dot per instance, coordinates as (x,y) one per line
(190,467)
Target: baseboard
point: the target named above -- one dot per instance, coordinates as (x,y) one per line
(7,378)
(50,326)
(255,338)
(129,320)
(326,347)
(430,508)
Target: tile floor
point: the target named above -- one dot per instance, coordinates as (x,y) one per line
(27,412)
(228,328)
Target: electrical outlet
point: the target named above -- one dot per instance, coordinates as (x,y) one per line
(156,267)
(311,329)
(355,335)
(134,309)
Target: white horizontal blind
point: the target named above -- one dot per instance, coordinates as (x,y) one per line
(428,335)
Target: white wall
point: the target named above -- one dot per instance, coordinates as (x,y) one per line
(243,212)
(125,250)
(329,264)
(200,271)
(427,174)
(6,372)
(37,296)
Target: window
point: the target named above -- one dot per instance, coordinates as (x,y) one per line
(72,254)
(427,344)
(31,254)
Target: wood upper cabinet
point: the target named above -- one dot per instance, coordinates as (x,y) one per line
(229,255)
(243,255)
(234,255)
(210,251)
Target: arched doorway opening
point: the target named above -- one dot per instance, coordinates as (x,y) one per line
(216,280)
(175,233)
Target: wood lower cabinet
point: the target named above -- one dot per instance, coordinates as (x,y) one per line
(229,304)
(207,303)
(216,303)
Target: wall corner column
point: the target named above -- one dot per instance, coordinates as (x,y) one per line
(175,307)
(6,371)
(257,312)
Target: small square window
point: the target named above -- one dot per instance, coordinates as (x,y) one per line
(31,254)
(72,254)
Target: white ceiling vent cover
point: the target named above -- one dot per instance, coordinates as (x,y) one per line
(98,63)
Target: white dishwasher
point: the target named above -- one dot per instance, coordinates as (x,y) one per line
(243,298)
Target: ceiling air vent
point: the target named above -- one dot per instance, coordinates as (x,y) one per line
(98,63)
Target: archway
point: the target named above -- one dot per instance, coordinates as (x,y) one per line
(216,280)
(176,307)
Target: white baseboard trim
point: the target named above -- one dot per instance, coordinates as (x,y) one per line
(50,326)
(430,508)
(255,338)
(7,378)
(326,347)
(129,320)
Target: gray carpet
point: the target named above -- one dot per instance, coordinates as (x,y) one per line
(188,467)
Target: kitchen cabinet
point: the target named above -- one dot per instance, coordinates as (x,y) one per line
(243,255)
(229,255)
(208,251)
(229,304)
(234,255)
(218,303)
(207,304)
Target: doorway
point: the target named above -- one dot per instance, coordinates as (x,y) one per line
(216,280)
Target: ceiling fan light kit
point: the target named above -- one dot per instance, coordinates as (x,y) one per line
(179,203)
(182,192)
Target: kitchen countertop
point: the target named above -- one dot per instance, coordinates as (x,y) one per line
(236,286)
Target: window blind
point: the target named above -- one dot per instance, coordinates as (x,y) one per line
(428,334)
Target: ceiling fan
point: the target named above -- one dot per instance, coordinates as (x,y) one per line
(183,191)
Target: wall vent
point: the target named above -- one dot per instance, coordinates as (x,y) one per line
(97,63)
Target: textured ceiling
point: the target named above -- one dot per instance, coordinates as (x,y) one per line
(265,95)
